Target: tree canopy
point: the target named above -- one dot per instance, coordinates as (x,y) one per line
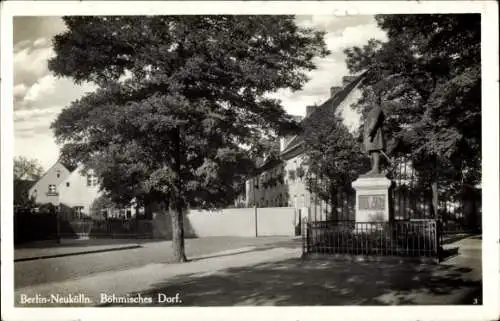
(334,156)
(178,97)
(27,169)
(427,76)
(26,173)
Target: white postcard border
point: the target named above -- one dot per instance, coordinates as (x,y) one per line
(490,131)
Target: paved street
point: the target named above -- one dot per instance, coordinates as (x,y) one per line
(274,274)
(35,272)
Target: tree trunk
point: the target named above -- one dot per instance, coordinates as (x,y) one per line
(177,232)
(434,187)
(148,211)
(333,203)
(176,206)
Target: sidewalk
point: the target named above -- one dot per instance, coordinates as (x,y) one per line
(67,247)
(279,276)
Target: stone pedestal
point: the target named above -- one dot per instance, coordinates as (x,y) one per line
(372,199)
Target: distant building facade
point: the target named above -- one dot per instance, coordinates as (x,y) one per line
(282,182)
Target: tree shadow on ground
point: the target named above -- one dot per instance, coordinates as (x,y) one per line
(323,282)
(449,253)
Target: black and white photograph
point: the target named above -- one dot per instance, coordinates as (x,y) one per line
(337,156)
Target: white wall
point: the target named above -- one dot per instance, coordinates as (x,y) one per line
(351,117)
(278,221)
(54,176)
(271,221)
(229,222)
(78,193)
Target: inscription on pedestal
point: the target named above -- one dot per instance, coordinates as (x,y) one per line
(371,202)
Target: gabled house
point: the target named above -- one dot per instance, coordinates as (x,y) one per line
(73,192)
(77,193)
(282,182)
(45,190)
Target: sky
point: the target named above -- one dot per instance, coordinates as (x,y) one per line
(39,96)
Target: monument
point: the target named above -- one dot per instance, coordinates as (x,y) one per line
(372,188)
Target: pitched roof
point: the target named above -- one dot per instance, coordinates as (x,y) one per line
(271,163)
(49,170)
(330,105)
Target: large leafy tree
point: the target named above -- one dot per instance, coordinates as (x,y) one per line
(178,97)
(334,158)
(428,78)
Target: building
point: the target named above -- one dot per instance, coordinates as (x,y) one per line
(74,191)
(45,190)
(282,182)
(77,193)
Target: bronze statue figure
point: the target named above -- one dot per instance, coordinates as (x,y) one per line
(373,138)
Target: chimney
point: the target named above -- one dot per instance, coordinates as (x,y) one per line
(346,80)
(310,109)
(334,90)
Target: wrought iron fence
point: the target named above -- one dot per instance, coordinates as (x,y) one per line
(121,228)
(420,238)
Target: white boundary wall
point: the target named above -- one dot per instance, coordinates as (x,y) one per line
(271,221)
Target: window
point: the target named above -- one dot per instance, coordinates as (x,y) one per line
(58,173)
(91,180)
(77,210)
(52,190)
(67,184)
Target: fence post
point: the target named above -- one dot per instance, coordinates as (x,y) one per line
(255,215)
(438,240)
(303,232)
(306,237)
(58,225)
